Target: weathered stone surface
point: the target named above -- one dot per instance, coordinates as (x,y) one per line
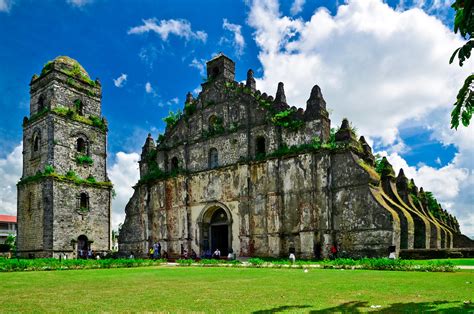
(221,187)
(58,208)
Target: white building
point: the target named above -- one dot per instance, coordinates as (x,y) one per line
(7,226)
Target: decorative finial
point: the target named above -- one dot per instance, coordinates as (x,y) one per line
(280,95)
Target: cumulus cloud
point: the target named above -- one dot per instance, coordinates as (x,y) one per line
(452,186)
(5,5)
(148,88)
(368,58)
(297,7)
(181,28)
(10,172)
(124,175)
(200,65)
(238,41)
(381,68)
(120,81)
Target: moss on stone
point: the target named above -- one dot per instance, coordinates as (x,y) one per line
(70,176)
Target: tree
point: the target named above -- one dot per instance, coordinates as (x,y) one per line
(464,23)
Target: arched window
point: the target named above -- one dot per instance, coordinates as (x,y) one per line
(81,145)
(84,201)
(260,147)
(79,107)
(41,104)
(36,142)
(174,163)
(213,158)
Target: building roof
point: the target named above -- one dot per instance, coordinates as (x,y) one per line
(7,218)
(67,65)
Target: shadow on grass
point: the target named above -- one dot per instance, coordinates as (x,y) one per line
(363,306)
(281,309)
(411,307)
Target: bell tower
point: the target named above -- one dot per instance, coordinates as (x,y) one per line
(64,195)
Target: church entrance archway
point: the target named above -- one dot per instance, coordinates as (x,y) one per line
(216,231)
(82,246)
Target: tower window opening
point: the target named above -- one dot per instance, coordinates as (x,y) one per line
(81,146)
(79,107)
(215,72)
(213,158)
(36,143)
(84,201)
(41,104)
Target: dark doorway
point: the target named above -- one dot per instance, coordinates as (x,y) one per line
(216,232)
(174,163)
(82,246)
(220,239)
(260,147)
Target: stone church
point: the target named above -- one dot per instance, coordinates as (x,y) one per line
(64,195)
(242,171)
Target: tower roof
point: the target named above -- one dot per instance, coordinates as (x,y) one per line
(67,65)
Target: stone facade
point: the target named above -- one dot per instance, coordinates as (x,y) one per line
(64,195)
(243,171)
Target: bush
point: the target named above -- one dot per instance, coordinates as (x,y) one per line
(256,261)
(8,265)
(184,262)
(84,160)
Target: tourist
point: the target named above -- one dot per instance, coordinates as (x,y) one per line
(158,250)
(292,258)
(185,254)
(216,254)
(193,254)
(151,252)
(333,252)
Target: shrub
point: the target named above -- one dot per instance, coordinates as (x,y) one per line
(172,118)
(256,261)
(184,262)
(84,160)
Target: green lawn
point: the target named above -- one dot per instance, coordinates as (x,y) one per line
(218,289)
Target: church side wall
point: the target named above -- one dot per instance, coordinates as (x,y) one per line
(361,224)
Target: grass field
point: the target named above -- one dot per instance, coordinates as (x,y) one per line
(249,290)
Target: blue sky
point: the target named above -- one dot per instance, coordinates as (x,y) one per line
(381,64)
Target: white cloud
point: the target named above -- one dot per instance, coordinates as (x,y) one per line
(5,5)
(124,175)
(200,65)
(239,41)
(382,68)
(297,6)
(174,100)
(181,28)
(452,185)
(10,172)
(120,81)
(148,88)
(368,58)
(78,3)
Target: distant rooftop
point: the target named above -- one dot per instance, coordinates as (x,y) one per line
(7,218)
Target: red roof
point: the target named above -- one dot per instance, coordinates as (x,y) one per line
(7,218)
